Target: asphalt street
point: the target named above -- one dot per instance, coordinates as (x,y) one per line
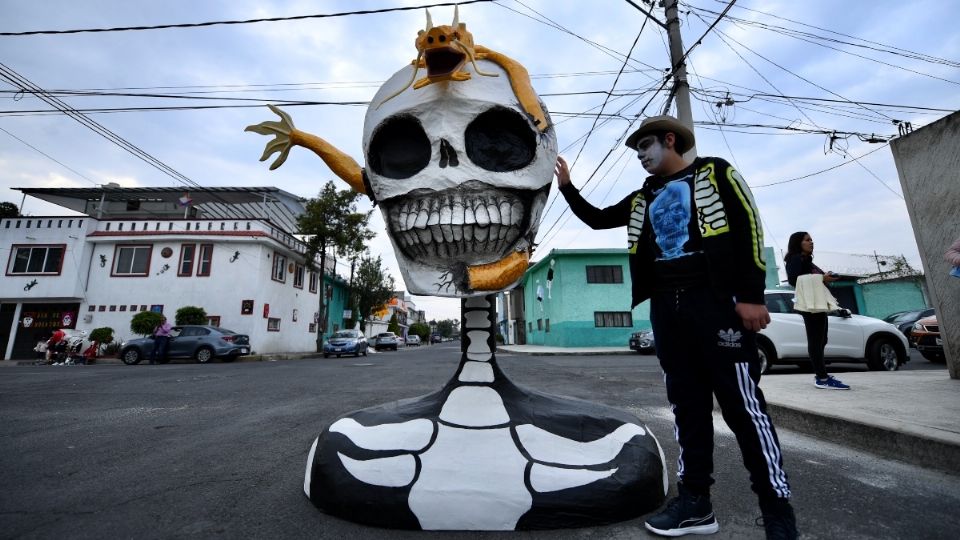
(218,450)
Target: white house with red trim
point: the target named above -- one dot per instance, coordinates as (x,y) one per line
(230,251)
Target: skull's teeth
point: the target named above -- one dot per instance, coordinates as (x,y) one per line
(446,211)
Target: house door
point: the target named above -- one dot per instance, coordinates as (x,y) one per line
(6,320)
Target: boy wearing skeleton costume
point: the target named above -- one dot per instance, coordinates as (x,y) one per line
(696,251)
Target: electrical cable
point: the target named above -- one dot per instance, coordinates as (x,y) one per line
(22,82)
(247,21)
(779,182)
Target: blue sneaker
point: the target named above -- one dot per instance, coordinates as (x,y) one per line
(830,383)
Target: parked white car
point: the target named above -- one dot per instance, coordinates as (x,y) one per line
(850,338)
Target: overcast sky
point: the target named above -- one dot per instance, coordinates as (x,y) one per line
(896,60)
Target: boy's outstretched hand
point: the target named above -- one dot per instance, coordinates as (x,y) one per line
(562,172)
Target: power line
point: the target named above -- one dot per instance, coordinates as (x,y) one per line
(893,49)
(48,156)
(246,21)
(22,82)
(777,183)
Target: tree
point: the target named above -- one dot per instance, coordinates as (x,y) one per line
(332,222)
(102,335)
(374,287)
(8,210)
(144,322)
(420,329)
(191,315)
(393,325)
(446,326)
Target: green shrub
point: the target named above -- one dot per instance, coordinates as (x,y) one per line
(144,322)
(191,315)
(102,335)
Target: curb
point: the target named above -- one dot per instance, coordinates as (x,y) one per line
(527,352)
(898,445)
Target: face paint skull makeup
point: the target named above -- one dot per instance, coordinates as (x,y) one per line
(650,151)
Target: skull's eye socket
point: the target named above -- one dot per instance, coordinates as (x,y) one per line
(500,140)
(399,148)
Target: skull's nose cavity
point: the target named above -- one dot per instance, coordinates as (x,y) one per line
(448,156)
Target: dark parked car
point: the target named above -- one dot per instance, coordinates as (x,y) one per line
(203,343)
(926,337)
(904,320)
(435,338)
(345,342)
(642,341)
(386,340)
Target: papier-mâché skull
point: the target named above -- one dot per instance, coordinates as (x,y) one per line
(461,175)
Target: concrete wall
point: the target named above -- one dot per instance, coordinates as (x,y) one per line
(885,297)
(928,163)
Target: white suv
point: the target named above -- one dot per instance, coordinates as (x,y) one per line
(850,338)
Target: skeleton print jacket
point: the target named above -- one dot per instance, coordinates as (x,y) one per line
(731,236)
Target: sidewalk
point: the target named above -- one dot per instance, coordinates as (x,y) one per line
(911,416)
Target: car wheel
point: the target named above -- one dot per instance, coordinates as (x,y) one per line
(766,354)
(203,355)
(935,357)
(883,355)
(131,356)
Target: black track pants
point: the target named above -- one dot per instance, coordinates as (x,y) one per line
(705,351)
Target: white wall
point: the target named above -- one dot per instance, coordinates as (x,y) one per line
(220,294)
(70,231)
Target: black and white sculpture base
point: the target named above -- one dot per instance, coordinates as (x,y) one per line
(485,454)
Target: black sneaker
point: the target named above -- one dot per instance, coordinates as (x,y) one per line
(779,522)
(685,514)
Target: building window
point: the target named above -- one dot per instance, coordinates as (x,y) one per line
(605,274)
(539,324)
(612,319)
(36,260)
(273,325)
(131,260)
(213,320)
(313,281)
(187,252)
(206,260)
(279,267)
(547,326)
(530,327)
(298,272)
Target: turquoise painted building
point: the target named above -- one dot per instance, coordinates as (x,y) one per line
(581,298)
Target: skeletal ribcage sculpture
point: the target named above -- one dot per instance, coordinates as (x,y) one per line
(486,454)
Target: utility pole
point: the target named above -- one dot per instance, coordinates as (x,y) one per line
(681,88)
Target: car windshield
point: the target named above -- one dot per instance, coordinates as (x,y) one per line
(905,316)
(386,334)
(345,335)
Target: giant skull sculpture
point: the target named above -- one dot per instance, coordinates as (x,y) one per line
(461,175)
(461,164)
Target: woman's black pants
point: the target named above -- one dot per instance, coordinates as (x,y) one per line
(816,325)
